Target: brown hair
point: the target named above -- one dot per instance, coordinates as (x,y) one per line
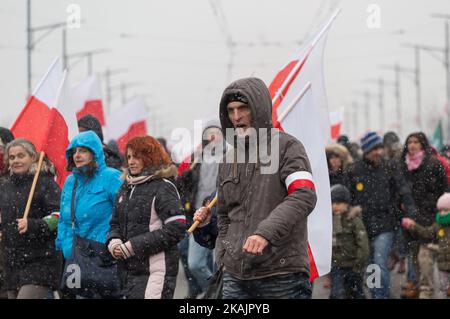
(91,167)
(149,150)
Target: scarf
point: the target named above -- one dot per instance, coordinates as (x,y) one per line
(413,161)
(142,177)
(443,220)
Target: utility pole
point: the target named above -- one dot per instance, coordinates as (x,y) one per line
(29,46)
(107,74)
(367,96)
(416,71)
(381,84)
(418,88)
(123,88)
(446,60)
(31,43)
(366,108)
(381,104)
(446,49)
(347,122)
(397,72)
(89,56)
(398,97)
(64,46)
(224,28)
(355,118)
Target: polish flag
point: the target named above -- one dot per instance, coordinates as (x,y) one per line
(42,123)
(300,109)
(336,124)
(127,122)
(87,97)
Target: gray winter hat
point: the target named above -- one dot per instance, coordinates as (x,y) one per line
(340,194)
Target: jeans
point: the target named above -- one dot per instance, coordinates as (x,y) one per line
(444,284)
(200,261)
(346,284)
(193,287)
(380,247)
(288,286)
(400,244)
(413,262)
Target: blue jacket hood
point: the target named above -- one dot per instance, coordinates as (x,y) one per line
(91,141)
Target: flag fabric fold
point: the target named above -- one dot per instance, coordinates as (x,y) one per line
(87,97)
(336,124)
(42,123)
(309,122)
(127,122)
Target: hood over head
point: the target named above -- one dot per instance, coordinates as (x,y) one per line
(91,141)
(255,92)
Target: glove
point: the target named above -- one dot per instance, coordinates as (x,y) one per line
(52,221)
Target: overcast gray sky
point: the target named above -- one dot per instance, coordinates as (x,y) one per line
(176,51)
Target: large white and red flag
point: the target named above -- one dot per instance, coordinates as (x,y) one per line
(127,122)
(42,123)
(300,109)
(87,97)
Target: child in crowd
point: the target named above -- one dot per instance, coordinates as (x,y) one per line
(438,232)
(350,247)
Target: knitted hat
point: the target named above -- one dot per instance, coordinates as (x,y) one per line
(343,140)
(443,202)
(340,194)
(390,138)
(236,97)
(370,141)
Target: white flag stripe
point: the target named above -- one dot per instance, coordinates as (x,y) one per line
(46,90)
(65,106)
(294,103)
(87,90)
(300,175)
(309,122)
(302,123)
(335,117)
(305,54)
(118,123)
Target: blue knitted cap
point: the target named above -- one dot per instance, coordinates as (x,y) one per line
(370,141)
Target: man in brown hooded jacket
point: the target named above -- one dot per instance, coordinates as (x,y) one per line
(262,212)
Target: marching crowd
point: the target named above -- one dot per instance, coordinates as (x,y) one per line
(117,227)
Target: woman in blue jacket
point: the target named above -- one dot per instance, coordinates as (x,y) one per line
(95,192)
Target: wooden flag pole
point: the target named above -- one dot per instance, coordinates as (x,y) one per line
(33,186)
(196,223)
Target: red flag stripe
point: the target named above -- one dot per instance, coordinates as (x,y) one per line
(184,165)
(335,131)
(136,129)
(313,273)
(47,130)
(278,82)
(94,108)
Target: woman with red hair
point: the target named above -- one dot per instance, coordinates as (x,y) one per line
(147,222)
